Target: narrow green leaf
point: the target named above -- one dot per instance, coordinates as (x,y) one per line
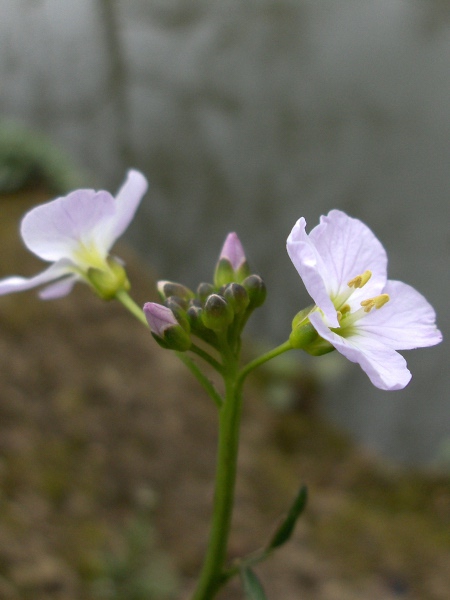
(284,531)
(252,586)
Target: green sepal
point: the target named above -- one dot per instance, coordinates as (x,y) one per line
(224,273)
(107,282)
(284,531)
(174,338)
(253,588)
(243,272)
(319,347)
(303,336)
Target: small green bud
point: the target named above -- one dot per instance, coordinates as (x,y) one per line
(107,282)
(167,289)
(237,297)
(194,315)
(178,306)
(217,313)
(256,289)
(204,290)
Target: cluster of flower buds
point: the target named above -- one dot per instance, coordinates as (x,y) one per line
(217,310)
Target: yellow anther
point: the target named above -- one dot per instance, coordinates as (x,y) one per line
(345,309)
(360,280)
(376,302)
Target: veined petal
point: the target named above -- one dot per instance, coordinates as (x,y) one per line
(407,321)
(385,368)
(312,269)
(19,284)
(56,229)
(349,248)
(126,204)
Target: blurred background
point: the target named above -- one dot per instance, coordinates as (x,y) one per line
(246,115)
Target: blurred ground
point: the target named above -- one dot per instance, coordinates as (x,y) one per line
(107,451)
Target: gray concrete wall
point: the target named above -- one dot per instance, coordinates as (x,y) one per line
(245,116)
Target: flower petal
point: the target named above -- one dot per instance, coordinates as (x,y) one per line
(233,251)
(312,269)
(52,273)
(349,248)
(59,289)
(55,230)
(385,368)
(126,204)
(407,321)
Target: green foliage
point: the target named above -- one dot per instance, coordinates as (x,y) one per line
(252,586)
(135,571)
(286,528)
(30,159)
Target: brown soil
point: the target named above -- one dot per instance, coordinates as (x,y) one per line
(107,451)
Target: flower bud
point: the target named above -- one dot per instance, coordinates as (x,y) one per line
(107,282)
(237,297)
(165,328)
(194,315)
(178,306)
(204,290)
(256,290)
(217,313)
(167,289)
(232,264)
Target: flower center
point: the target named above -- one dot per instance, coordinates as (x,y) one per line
(345,315)
(89,257)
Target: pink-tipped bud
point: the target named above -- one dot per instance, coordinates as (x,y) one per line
(165,328)
(233,251)
(232,264)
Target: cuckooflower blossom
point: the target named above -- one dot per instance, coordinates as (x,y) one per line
(365,316)
(75,234)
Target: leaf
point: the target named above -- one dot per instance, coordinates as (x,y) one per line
(284,531)
(252,586)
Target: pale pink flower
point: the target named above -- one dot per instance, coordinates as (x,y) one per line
(365,316)
(75,233)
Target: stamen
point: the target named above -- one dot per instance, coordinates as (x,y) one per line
(345,309)
(376,302)
(360,280)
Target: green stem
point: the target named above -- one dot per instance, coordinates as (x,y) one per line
(211,577)
(262,359)
(123,297)
(205,382)
(207,357)
(135,310)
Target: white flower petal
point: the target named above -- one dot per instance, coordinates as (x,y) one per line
(56,229)
(126,204)
(312,269)
(349,248)
(407,321)
(385,368)
(59,289)
(52,273)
